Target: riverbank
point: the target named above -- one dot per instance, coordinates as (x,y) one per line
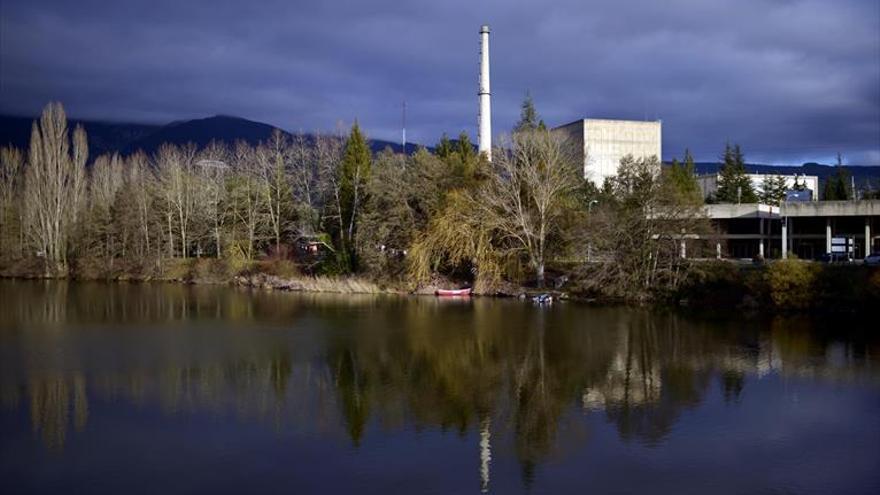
(272,275)
(791,285)
(794,285)
(281,275)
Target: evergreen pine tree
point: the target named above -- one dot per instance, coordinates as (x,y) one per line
(837,185)
(528,117)
(444,147)
(465,148)
(356,165)
(462,158)
(683,181)
(773,190)
(734,186)
(689,166)
(829,190)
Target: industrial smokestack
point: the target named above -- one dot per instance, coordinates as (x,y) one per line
(485,125)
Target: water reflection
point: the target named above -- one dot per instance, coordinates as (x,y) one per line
(511,375)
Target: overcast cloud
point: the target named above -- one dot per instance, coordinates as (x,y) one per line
(790,80)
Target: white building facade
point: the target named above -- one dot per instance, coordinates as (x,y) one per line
(709,183)
(601,143)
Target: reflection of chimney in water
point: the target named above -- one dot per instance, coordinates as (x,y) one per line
(485,454)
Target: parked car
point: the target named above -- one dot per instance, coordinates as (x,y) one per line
(835,258)
(873,259)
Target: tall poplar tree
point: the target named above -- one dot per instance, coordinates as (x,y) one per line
(55,179)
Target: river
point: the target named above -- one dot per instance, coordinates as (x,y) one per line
(163,388)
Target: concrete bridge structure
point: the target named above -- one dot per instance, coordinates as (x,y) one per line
(806,229)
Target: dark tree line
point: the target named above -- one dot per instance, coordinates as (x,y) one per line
(389,217)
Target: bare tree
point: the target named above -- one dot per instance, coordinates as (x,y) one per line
(11,212)
(246,197)
(638,230)
(304,177)
(80,156)
(176,180)
(213,171)
(273,157)
(54,185)
(518,212)
(524,199)
(328,156)
(105,180)
(140,183)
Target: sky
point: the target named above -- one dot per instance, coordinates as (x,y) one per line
(789,80)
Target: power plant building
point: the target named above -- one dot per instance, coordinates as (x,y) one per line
(709,183)
(601,143)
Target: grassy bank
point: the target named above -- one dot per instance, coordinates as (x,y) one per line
(274,274)
(791,285)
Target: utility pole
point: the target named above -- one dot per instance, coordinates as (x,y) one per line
(403,141)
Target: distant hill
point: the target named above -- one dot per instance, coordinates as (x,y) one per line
(862,174)
(104,137)
(125,138)
(202,132)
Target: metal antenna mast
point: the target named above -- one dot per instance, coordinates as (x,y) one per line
(404,127)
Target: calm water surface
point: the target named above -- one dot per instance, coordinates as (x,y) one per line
(172,389)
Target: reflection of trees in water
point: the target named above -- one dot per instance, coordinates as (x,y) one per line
(44,302)
(656,372)
(509,374)
(262,388)
(352,387)
(48,303)
(732,382)
(52,400)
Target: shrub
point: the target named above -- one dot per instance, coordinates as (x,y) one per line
(715,284)
(208,271)
(175,269)
(278,267)
(792,283)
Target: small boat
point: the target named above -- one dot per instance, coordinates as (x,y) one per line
(543,299)
(453,292)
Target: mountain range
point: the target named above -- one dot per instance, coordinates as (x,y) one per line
(862,174)
(125,138)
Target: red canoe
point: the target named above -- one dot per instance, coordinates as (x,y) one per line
(453,292)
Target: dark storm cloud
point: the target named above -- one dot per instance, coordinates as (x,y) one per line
(790,80)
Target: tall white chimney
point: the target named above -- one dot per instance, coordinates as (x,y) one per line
(485,125)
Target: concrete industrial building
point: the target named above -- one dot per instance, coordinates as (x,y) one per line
(601,143)
(806,229)
(709,183)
